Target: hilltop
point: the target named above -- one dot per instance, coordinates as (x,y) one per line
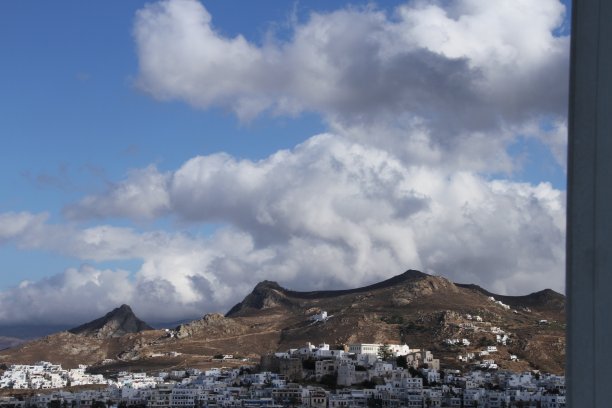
(115,323)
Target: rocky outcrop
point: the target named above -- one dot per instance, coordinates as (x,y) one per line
(116,323)
(265,295)
(210,326)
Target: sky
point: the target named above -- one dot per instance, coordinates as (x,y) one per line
(172,154)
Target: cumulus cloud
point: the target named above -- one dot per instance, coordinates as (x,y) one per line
(18,224)
(329,213)
(524,65)
(98,243)
(470,72)
(66,298)
(143,193)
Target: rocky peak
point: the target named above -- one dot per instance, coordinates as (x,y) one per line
(213,317)
(115,323)
(210,324)
(265,295)
(124,309)
(266,286)
(430,284)
(544,299)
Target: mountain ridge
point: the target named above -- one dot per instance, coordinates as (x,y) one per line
(272,292)
(544,295)
(413,307)
(266,286)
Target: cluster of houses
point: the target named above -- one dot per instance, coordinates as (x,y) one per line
(242,387)
(477,324)
(502,336)
(484,363)
(356,364)
(45,375)
(455,342)
(499,302)
(359,375)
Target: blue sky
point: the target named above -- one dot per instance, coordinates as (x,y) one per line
(74,121)
(221,143)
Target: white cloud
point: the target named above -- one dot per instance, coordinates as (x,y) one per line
(70,297)
(511,42)
(170,34)
(144,196)
(17,224)
(471,72)
(329,213)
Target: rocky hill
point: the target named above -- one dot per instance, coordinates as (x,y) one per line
(414,308)
(115,323)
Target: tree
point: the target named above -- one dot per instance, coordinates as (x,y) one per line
(330,380)
(484,341)
(413,371)
(293,401)
(368,384)
(402,362)
(309,363)
(384,352)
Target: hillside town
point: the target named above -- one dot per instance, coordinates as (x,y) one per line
(361,375)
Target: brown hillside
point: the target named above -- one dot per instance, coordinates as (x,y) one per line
(414,308)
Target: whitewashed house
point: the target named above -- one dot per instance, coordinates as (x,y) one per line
(319,317)
(365,348)
(399,349)
(346,373)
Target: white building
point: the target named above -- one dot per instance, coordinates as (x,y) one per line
(399,349)
(346,373)
(365,348)
(319,317)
